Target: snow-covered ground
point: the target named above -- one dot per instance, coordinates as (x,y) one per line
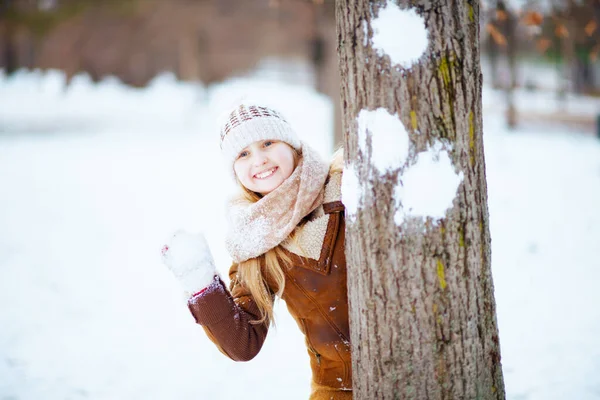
(94,179)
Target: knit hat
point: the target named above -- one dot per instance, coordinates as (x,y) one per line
(247,124)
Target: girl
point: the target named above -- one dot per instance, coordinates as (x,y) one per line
(286,239)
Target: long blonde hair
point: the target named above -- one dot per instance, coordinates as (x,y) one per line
(255,273)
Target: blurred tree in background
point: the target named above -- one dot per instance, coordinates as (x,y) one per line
(558,34)
(559,31)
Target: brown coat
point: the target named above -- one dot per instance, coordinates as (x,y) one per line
(316,296)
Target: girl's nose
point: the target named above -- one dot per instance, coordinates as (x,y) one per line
(260,160)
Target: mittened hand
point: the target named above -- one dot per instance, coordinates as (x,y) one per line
(190,260)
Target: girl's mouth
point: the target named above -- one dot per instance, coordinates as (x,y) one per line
(266,174)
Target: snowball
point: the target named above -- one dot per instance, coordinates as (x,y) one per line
(389,139)
(427,188)
(401,34)
(186,251)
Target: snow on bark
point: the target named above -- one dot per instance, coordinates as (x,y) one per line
(400,34)
(427,188)
(351,191)
(388,137)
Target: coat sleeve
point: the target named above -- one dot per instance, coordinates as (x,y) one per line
(227,317)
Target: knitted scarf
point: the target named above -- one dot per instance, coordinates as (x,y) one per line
(255,228)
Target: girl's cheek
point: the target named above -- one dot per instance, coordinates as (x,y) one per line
(238,171)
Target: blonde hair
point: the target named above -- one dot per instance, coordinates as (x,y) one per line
(337,161)
(256,273)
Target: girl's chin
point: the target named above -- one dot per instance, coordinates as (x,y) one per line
(267,187)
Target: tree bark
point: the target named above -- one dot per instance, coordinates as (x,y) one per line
(510,26)
(324,61)
(566,50)
(422,309)
(7,33)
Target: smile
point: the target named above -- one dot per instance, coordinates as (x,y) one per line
(266,174)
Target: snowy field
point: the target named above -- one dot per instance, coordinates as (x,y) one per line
(94,179)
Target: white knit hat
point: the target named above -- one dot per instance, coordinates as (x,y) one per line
(247,124)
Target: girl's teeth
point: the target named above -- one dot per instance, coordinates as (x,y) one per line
(265,174)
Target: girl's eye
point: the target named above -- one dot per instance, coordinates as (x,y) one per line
(243,154)
(268,143)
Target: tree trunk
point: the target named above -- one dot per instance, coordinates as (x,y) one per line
(7,33)
(493,47)
(324,61)
(493,55)
(422,309)
(566,58)
(510,27)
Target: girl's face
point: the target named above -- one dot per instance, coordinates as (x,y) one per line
(264,165)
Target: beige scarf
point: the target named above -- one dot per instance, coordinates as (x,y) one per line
(255,228)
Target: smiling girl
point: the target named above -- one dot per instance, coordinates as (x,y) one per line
(286,239)
(264,165)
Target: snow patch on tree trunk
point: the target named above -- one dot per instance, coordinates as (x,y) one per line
(427,188)
(351,191)
(401,34)
(389,139)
